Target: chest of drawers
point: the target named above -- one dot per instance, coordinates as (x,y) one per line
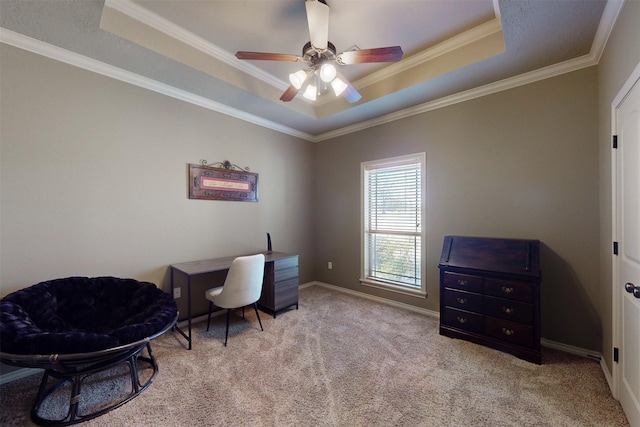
(490,293)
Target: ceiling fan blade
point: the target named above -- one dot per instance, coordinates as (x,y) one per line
(318,19)
(268,56)
(380,54)
(289,94)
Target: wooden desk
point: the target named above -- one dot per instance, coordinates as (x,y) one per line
(279,286)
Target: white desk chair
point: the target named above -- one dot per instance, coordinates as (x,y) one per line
(242,287)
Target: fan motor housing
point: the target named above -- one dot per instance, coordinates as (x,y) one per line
(314,56)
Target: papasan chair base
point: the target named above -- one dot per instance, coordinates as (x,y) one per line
(74,369)
(147,314)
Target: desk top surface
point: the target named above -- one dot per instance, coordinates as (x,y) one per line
(218,264)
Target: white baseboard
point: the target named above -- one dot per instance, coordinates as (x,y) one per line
(608,377)
(409,307)
(589,354)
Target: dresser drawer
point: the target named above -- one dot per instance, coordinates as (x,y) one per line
(517,311)
(511,332)
(462,319)
(465,282)
(522,291)
(464,300)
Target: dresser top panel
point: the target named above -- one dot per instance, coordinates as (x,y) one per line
(510,256)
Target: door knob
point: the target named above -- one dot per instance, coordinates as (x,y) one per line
(632,289)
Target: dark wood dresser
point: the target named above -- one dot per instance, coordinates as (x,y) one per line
(490,293)
(280,285)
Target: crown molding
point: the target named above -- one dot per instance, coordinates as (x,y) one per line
(53,52)
(470,36)
(609,17)
(488,89)
(473,35)
(158,23)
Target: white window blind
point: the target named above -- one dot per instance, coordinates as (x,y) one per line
(393,221)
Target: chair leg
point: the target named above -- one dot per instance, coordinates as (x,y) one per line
(209,317)
(226,335)
(255,306)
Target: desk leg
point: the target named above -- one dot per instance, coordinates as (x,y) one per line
(189,308)
(176,327)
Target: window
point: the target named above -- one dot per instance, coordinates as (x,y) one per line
(393,219)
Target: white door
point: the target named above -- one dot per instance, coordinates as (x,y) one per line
(627,171)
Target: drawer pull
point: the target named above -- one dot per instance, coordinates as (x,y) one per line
(462,320)
(508,310)
(461,300)
(462,282)
(507,290)
(509,332)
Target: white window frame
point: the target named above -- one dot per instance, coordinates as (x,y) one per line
(365,278)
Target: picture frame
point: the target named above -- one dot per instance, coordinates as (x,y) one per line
(222,183)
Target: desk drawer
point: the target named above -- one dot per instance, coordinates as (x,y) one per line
(286,274)
(285,263)
(286,293)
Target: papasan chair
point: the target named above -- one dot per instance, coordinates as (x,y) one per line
(77,327)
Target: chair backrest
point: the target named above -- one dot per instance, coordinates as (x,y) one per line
(243,284)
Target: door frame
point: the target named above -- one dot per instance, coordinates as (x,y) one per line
(615,229)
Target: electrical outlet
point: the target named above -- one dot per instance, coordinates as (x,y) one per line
(177,292)
(330,265)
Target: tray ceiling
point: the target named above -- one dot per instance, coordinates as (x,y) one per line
(453,50)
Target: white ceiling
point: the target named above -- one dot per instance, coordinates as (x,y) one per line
(453,50)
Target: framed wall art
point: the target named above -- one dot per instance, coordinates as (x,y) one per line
(222,181)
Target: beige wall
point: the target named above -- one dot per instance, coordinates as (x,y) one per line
(621,56)
(520,163)
(94,179)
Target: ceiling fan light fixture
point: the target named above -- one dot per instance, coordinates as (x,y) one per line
(298,78)
(338,86)
(310,92)
(327,73)
(352,95)
(319,55)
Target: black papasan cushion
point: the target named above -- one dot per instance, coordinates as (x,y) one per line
(82,314)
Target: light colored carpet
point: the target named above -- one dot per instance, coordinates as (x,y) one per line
(341,360)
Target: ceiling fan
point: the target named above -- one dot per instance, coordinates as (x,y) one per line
(319,55)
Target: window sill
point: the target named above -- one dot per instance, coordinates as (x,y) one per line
(419,293)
